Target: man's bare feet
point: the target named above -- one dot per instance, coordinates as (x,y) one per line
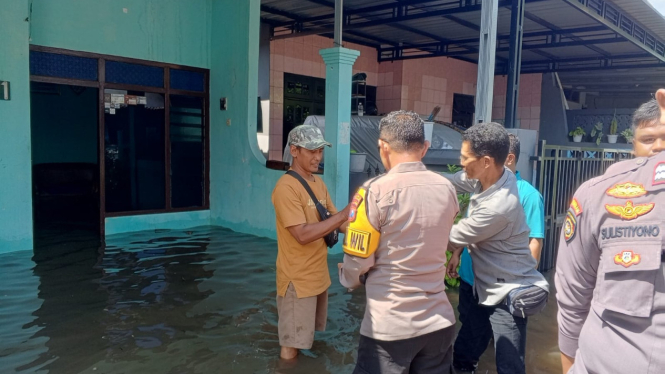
(288,353)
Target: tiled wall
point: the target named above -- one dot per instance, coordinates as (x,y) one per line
(301,56)
(418,85)
(528,103)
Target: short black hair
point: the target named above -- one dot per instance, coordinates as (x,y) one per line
(403,130)
(488,139)
(646,114)
(514,146)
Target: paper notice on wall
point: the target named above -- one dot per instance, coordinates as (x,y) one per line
(142,100)
(131,100)
(117,99)
(107,97)
(107,105)
(344,133)
(112,111)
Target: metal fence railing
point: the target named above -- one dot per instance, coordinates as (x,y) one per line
(561,170)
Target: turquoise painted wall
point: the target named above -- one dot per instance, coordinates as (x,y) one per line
(240,184)
(173,221)
(15,176)
(222,35)
(172,31)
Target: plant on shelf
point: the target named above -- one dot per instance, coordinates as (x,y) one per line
(612,136)
(597,131)
(628,135)
(577,134)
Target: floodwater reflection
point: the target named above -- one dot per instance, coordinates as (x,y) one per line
(197,301)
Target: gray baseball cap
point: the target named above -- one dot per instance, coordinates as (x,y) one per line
(308,137)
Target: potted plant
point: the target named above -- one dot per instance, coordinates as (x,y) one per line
(577,134)
(357,161)
(597,130)
(612,137)
(628,135)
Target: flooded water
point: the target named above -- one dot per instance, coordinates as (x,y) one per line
(198,301)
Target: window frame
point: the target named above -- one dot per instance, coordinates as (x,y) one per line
(101,85)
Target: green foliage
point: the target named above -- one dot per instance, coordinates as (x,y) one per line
(578,131)
(614,124)
(452,169)
(597,130)
(627,134)
(452,282)
(463,200)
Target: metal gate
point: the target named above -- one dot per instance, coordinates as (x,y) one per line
(561,170)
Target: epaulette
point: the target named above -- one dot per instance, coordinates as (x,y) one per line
(621,167)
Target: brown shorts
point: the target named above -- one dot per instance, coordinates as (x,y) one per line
(299,318)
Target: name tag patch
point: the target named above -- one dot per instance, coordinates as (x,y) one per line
(645,231)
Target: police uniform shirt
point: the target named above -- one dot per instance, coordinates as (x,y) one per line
(610,277)
(497,236)
(414,210)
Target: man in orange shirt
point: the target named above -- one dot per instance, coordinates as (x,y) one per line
(302,258)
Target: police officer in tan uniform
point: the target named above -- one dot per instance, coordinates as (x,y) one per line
(610,274)
(396,245)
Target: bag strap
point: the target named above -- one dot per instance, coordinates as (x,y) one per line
(323,212)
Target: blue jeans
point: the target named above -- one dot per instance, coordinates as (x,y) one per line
(479,323)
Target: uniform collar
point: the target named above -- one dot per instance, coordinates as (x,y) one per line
(406,167)
(507,175)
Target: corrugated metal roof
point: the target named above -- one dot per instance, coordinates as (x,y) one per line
(442,27)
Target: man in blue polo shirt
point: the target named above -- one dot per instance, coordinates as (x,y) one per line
(476,332)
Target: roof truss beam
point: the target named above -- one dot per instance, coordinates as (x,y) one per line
(399,12)
(618,21)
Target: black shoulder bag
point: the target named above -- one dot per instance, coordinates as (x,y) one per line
(332,238)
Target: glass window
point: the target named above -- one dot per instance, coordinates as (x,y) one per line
(134,74)
(63,66)
(134,151)
(187,80)
(187,151)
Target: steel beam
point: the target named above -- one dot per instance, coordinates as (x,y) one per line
(514,62)
(619,22)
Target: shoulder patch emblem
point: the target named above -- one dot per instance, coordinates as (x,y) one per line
(353,211)
(576,207)
(629,211)
(569,226)
(627,258)
(626,190)
(659,174)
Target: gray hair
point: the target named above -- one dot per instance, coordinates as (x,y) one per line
(646,114)
(403,130)
(514,146)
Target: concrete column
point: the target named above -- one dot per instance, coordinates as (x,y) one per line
(486,57)
(339,63)
(15,142)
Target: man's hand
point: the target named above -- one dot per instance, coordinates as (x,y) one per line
(453,263)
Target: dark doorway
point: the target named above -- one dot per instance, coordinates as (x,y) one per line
(65,165)
(463,109)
